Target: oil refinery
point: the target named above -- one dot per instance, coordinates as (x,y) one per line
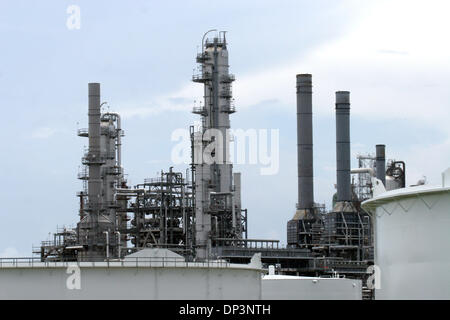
(184,235)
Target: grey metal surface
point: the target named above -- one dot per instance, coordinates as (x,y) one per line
(309,288)
(134,279)
(305,142)
(94,182)
(381,162)
(343,146)
(237,199)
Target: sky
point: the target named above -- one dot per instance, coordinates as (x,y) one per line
(393,56)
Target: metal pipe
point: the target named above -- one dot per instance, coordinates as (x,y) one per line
(233,213)
(107,244)
(363,170)
(305,142)
(124,190)
(118,243)
(237,201)
(381,162)
(119,140)
(94,182)
(203,38)
(343,146)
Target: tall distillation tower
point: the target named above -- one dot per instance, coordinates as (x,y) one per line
(217,199)
(104,212)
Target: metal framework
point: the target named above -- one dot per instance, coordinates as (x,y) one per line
(163,213)
(362,186)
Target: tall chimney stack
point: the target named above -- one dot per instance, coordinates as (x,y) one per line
(305,142)
(381,162)
(343,146)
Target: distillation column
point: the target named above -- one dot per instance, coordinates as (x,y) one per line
(91,229)
(213,168)
(94,182)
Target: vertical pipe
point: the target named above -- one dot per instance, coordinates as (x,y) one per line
(118,244)
(107,244)
(305,142)
(381,162)
(343,146)
(233,213)
(237,202)
(94,182)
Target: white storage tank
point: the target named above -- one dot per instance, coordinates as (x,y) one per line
(149,274)
(412,241)
(281,287)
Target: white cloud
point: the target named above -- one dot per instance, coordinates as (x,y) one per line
(429,160)
(182,100)
(43,133)
(394,61)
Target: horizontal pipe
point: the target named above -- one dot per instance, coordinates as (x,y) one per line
(363,170)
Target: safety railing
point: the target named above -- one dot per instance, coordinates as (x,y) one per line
(227,78)
(200,110)
(125,262)
(202,77)
(83,132)
(229,108)
(163,180)
(90,159)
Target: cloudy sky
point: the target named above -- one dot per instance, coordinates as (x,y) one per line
(392,55)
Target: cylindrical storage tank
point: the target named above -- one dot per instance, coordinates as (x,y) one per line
(283,287)
(124,280)
(412,242)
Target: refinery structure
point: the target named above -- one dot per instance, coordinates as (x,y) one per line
(196,217)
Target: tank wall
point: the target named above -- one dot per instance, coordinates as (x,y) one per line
(132,283)
(412,248)
(306,289)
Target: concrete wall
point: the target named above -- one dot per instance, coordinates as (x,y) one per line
(131,283)
(301,288)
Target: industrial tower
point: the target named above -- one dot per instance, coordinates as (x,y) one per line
(101,216)
(217,199)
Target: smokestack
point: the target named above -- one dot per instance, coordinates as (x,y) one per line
(94,182)
(381,162)
(305,142)
(343,146)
